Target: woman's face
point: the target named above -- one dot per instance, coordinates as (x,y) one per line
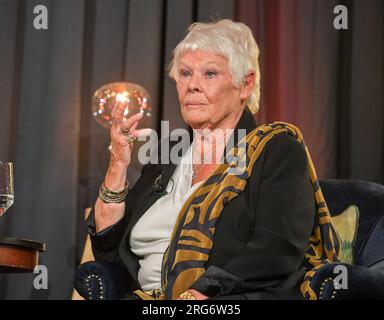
(207,95)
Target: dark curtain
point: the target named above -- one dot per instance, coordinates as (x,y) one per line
(46,127)
(327,82)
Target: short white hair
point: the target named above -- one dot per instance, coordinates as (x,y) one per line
(233,40)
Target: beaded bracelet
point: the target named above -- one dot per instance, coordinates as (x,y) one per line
(109,196)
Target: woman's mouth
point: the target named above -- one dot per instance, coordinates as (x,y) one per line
(194,104)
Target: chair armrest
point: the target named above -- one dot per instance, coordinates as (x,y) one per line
(358,282)
(97,280)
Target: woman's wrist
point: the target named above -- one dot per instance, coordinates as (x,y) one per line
(116,177)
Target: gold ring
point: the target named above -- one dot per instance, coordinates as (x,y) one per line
(187,296)
(124,131)
(131,138)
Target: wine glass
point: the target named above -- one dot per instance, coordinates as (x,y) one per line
(6,186)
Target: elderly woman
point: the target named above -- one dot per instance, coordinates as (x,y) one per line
(212,233)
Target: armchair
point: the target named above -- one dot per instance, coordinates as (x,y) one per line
(99,280)
(366,274)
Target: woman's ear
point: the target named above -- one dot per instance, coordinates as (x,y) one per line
(248,85)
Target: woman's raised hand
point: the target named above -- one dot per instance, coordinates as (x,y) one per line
(123,133)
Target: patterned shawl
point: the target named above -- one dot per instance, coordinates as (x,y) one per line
(193,235)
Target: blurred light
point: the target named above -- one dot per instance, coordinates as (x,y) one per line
(132,97)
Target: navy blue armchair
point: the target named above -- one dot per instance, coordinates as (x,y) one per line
(100,280)
(366,275)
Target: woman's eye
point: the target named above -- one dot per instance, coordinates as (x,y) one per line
(211,74)
(184,73)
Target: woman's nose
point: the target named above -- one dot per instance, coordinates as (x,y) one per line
(194,83)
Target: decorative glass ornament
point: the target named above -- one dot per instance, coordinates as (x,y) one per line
(135,98)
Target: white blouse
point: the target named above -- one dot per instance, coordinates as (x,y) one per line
(151,235)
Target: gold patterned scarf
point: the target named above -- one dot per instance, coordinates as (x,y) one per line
(193,235)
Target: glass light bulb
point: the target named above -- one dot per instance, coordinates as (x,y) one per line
(134,97)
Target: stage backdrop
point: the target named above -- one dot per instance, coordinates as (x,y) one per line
(328,82)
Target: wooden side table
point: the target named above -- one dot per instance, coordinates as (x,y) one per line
(19,255)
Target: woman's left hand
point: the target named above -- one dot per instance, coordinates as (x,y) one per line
(198,295)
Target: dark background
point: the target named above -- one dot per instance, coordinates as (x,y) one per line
(327,82)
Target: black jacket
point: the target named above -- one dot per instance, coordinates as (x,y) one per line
(261,235)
